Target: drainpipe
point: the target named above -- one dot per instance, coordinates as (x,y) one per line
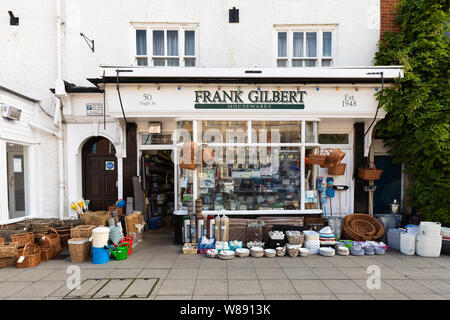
(59,89)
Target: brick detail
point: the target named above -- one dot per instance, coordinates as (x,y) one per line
(387,17)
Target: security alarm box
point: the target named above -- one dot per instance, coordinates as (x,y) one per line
(10,112)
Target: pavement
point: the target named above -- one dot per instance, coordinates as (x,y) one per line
(157,270)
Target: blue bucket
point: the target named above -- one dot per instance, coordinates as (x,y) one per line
(100,255)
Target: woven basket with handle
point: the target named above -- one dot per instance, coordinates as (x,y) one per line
(32,256)
(367,173)
(337,170)
(320,158)
(22,238)
(8,250)
(335,157)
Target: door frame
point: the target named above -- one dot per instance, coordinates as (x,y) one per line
(117,170)
(10,173)
(161,147)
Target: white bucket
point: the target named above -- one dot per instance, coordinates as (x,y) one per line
(429,246)
(100,237)
(408,244)
(430,228)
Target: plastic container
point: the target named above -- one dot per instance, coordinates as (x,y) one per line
(430,228)
(100,255)
(429,246)
(100,237)
(408,243)
(389,221)
(412,228)
(155,223)
(335,223)
(445,247)
(393,238)
(129,240)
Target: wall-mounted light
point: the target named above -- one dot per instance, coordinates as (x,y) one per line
(13,20)
(233,15)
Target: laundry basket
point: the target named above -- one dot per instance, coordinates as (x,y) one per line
(408,244)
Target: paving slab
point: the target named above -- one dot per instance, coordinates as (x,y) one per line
(389,296)
(39,289)
(183,274)
(30,274)
(244,287)
(154,273)
(343,286)
(8,289)
(437,286)
(408,286)
(85,291)
(329,273)
(211,287)
(177,287)
(124,273)
(210,297)
(277,287)
(318,297)
(310,287)
(270,274)
(244,274)
(188,297)
(247,297)
(300,273)
(240,263)
(212,273)
(282,297)
(360,296)
(425,296)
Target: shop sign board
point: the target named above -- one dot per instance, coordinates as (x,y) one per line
(254,99)
(94,109)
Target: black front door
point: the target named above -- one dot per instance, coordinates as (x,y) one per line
(99,173)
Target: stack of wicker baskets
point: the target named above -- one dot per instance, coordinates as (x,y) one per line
(331,159)
(361,227)
(96,218)
(83,231)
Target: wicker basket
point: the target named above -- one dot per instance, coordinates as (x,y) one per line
(367,173)
(8,250)
(337,170)
(192,250)
(22,238)
(83,231)
(2,240)
(99,218)
(335,157)
(294,239)
(46,252)
(319,158)
(79,249)
(8,262)
(32,256)
(363,227)
(353,234)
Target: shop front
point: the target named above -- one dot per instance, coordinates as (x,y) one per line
(252,133)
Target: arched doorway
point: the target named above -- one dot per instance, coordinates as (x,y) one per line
(99,173)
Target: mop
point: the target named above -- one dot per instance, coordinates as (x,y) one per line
(340,188)
(323,196)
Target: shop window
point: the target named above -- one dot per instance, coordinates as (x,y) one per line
(242,180)
(311,175)
(333,138)
(303,46)
(276,132)
(223,131)
(157,138)
(166,46)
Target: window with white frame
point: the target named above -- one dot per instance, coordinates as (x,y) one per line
(304,46)
(168,45)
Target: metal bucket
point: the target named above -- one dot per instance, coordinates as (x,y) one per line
(389,221)
(335,223)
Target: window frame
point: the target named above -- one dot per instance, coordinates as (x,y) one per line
(181,57)
(319,30)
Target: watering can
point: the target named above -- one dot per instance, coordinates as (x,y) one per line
(121,251)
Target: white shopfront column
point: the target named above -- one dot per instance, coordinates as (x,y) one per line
(119,176)
(4,212)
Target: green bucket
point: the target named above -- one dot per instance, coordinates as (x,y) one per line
(121,251)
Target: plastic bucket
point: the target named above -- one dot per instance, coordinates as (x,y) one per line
(335,224)
(121,252)
(129,240)
(408,243)
(100,237)
(389,221)
(100,255)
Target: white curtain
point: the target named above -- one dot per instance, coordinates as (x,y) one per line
(141,42)
(326,44)
(172,43)
(282,44)
(298,44)
(189,43)
(158,43)
(311,44)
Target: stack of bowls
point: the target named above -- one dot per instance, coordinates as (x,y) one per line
(357,250)
(327,252)
(429,240)
(327,237)
(312,241)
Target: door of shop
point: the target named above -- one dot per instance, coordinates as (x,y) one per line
(99,173)
(17,183)
(389,187)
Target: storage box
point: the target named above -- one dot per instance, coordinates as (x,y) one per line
(79,249)
(393,238)
(155,223)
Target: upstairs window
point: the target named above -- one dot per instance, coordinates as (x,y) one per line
(305,47)
(170,46)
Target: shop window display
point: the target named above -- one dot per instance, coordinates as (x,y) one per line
(311,175)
